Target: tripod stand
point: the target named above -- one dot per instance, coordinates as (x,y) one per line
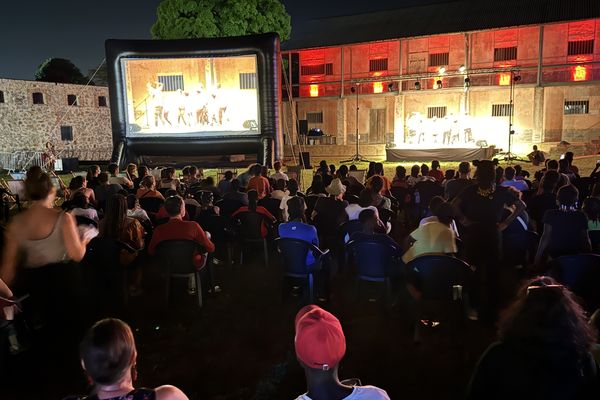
(509,156)
(357,157)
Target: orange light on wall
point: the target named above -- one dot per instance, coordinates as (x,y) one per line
(504,80)
(314,90)
(377,87)
(580,73)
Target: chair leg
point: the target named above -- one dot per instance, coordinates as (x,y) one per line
(266,250)
(242,254)
(311,289)
(167,288)
(199,288)
(229,254)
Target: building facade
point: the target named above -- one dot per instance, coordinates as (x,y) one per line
(74,118)
(450,78)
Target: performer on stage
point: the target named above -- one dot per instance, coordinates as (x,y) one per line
(49,157)
(155,101)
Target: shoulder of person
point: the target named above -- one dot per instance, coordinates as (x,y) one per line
(368,393)
(169,392)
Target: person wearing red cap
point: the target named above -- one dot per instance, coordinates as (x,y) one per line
(320,346)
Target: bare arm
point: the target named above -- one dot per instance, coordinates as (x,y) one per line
(460,217)
(519,208)
(4,290)
(9,257)
(543,246)
(73,244)
(168,392)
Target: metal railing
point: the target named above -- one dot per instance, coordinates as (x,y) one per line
(20,160)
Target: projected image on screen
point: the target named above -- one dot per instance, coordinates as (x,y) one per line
(192,95)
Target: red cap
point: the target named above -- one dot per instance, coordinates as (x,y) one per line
(320,341)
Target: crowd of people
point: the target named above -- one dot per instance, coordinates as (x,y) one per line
(481,216)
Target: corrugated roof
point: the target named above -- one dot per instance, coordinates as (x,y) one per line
(449,17)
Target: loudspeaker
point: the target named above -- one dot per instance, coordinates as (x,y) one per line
(303,127)
(70,164)
(305,160)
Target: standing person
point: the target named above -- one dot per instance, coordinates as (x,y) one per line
(104,190)
(320,346)
(436,172)
(569,157)
(330,212)
(544,200)
(115,179)
(414,176)
(278,174)
(245,176)
(259,183)
(543,350)
(92,176)
(479,208)
(536,157)
(565,229)
(108,358)
(292,191)
(455,186)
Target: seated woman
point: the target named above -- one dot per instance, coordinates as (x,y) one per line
(253,207)
(108,357)
(543,350)
(142,172)
(148,189)
(92,176)
(135,211)
(168,179)
(132,172)
(79,185)
(565,229)
(80,207)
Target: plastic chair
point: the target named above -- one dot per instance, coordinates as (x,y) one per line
(248,227)
(272,206)
(151,204)
(178,257)
(348,228)
(581,274)
(294,252)
(440,281)
(518,249)
(228,206)
(373,261)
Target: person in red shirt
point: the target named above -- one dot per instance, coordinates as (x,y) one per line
(259,183)
(436,172)
(178,229)
(252,207)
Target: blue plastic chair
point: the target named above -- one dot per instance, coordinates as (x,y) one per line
(294,252)
(581,274)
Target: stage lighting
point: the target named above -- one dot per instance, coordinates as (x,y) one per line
(417,85)
(442,70)
(438,84)
(462,69)
(467,82)
(390,87)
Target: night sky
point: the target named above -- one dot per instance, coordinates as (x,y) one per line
(31,31)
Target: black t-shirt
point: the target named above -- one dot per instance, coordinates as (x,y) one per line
(488,209)
(330,214)
(455,186)
(566,235)
(538,205)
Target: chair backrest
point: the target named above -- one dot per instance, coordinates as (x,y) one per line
(349,227)
(271,204)
(228,206)
(371,258)
(151,204)
(82,220)
(294,252)
(436,275)
(248,225)
(403,195)
(178,255)
(581,274)
(191,210)
(215,224)
(428,190)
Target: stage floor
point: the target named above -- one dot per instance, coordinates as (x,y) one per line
(449,153)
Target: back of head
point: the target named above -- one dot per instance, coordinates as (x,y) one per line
(569,156)
(115,213)
(103,178)
(208,181)
(185,171)
(296,208)
(553,165)
(414,170)
(367,218)
(591,208)
(444,213)
(252,199)
(113,169)
(545,315)
(567,196)
(435,201)
(38,184)
(148,182)
(279,184)
(228,175)
(131,201)
(435,164)
(235,185)
(485,173)
(206,198)
(256,169)
(108,351)
(342,171)
(76,182)
(509,173)
(332,169)
(277,165)
(292,186)
(142,171)
(376,183)
(193,171)
(320,342)
(424,169)
(400,172)
(449,174)
(171,192)
(353,167)
(132,169)
(366,198)
(378,168)
(464,168)
(563,165)
(323,164)
(92,172)
(550,181)
(499,175)
(173,205)
(79,200)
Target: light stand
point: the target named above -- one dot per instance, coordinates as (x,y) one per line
(509,156)
(357,157)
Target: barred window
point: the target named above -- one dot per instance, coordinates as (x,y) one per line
(505,53)
(577,47)
(247,80)
(437,112)
(102,101)
(37,97)
(577,107)
(314,117)
(439,59)
(379,64)
(72,100)
(171,83)
(317,69)
(66,133)
(1,96)
(502,110)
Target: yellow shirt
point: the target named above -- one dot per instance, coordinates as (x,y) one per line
(431,238)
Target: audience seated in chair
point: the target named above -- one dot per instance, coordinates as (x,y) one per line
(259,183)
(135,211)
(330,212)
(253,207)
(543,200)
(278,174)
(147,189)
(373,230)
(455,186)
(104,190)
(79,185)
(292,191)
(80,206)
(297,228)
(353,186)
(320,347)
(224,185)
(115,178)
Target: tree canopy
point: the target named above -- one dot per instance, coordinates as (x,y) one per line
(188,19)
(59,70)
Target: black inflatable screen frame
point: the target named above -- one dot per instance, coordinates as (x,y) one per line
(267,145)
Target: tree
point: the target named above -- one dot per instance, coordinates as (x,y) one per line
(59,70)
(188,19)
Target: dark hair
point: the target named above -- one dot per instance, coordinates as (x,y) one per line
(509,173)
(91,171)
(376,183)
(371,169)
(277,165)
(332,169)
(400,172)
(76,182)
(185,171)
(353,167)
(115,214)
(435,164)
(173,205)
(208,181)
(424,169)
(567,196)
(367,215)
(449,174)
(485,173)
(317,185)
(38,184)
(435,201)
(193,171)
(79,200)
(546,315)
(444,212)
(292,186)
(591,208)
(102,177)
(142,171)
(252,199)
(107,351)
(378,168)
(549,182)
(279,184)
(414,170)
(171,192)
(464,167)
(366,198)
(342,171)
(113,168)
(228,175)
(296,207)
(148,181)
(322,163)
(131,201)
(235,185)
(499,175)
(552,164)
(569,156)
(206,198)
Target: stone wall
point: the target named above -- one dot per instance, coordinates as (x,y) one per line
(28,126)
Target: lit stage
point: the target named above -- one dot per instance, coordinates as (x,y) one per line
(409,152)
